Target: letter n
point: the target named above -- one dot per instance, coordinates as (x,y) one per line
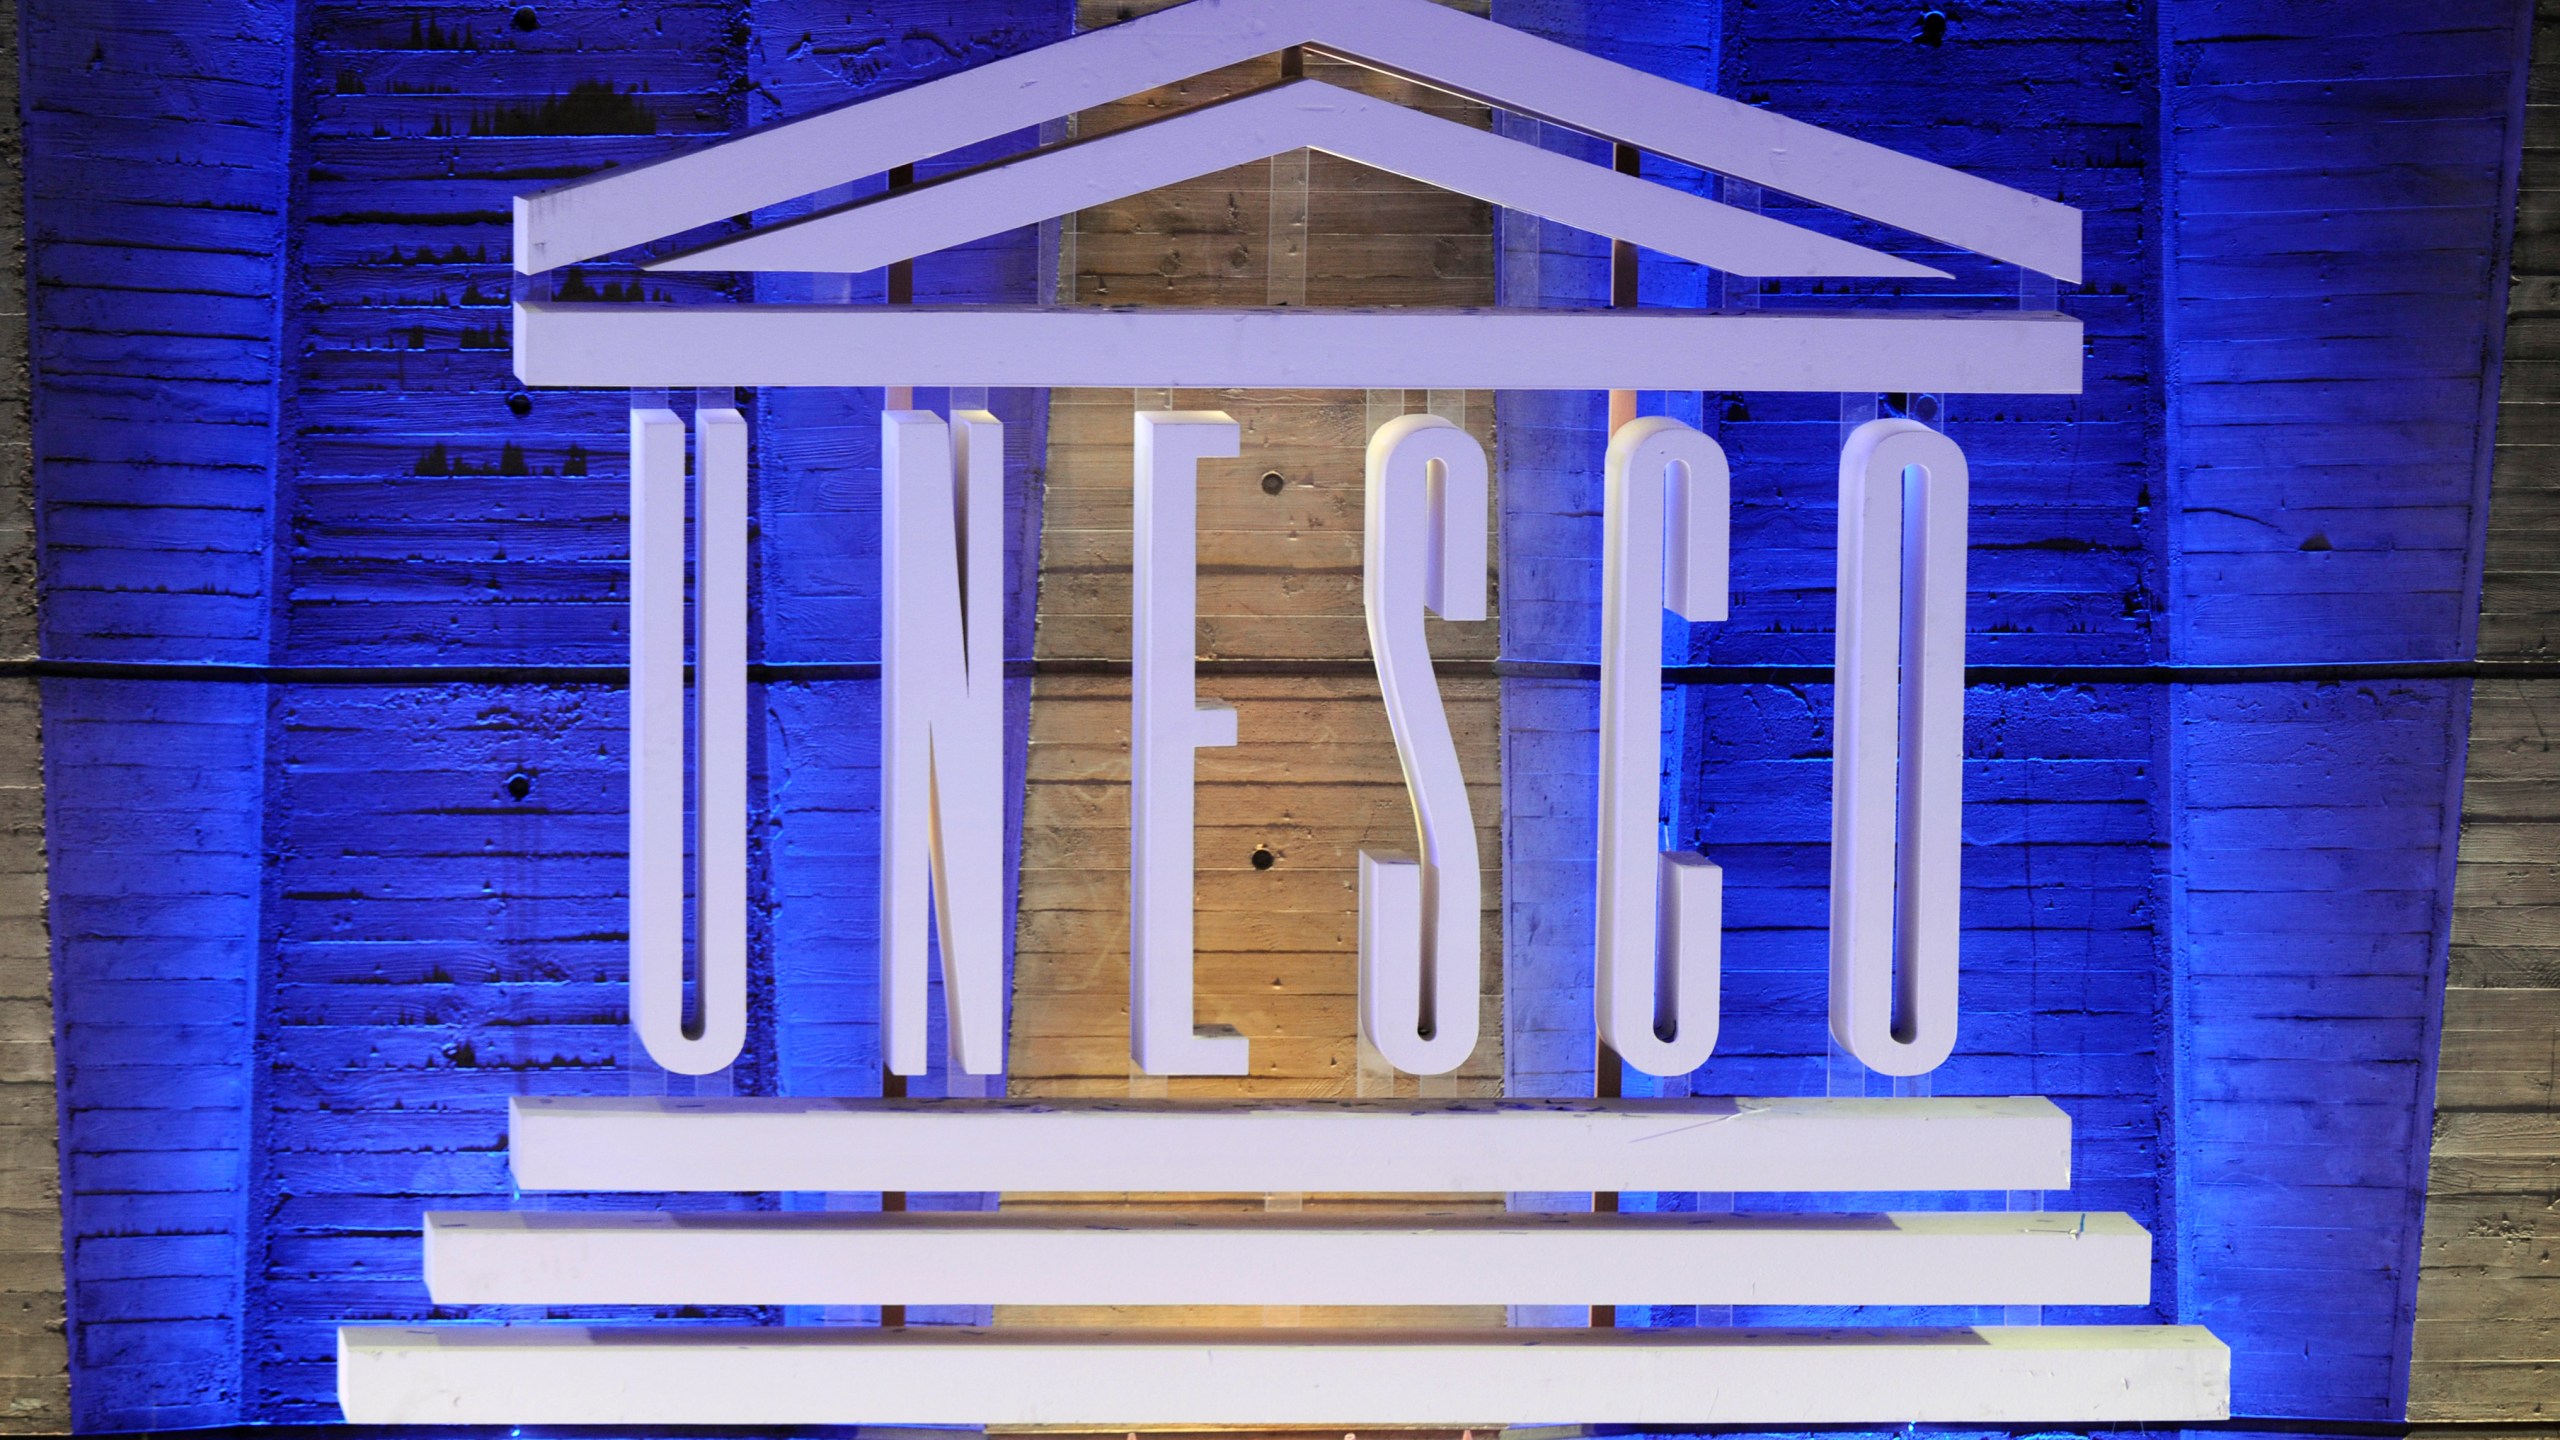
(942,733)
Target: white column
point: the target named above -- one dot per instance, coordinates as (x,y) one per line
(1898,749)
(1421,922)
(711,1039)
(942,733)
(1168,723)
(1667,528)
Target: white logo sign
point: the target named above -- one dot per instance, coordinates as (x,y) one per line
(1896,832)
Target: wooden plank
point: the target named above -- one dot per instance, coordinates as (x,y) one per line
(2484,1345)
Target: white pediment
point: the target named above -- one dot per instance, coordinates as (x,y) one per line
(1305,114)
(1417,39)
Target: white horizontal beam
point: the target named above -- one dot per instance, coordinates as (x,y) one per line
(656,1145)
(660,1375)
(1937,1258)
(1377,133)
(1508,68)
(620,346)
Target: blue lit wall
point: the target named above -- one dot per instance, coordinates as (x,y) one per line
(283,440)
(309,936)
(2064,988)
(157,346)
(2205,907)
(2336,208)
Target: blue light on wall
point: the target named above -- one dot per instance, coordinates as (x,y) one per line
(327,895)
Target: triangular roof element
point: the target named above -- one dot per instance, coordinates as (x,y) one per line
(1417,39)
(1028,189)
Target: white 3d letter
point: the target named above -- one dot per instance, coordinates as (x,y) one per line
(942,732)
(1668,524)
(1167,725)
(1420,946)
(1897,770)
(657,737)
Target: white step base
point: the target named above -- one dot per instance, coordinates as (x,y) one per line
(1952,1258)
(661,1375)
(1456,1146)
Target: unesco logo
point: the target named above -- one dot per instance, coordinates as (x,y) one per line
(1657,978)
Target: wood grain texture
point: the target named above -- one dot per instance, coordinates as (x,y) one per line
(1372,238)
(2328,347)
(2488,1313)
(1314,780)
(156,202)
(35,1390)
(2486,1345)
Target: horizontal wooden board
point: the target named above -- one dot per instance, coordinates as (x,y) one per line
(2486,1344)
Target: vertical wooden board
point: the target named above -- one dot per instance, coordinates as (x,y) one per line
(35,1393)
(1373,239)
(2482,1348)
(2486,1312)
(1312,783)
(1279,572)
(151,323)
(1314,779)
(34,1383)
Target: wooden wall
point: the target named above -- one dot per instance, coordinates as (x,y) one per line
(159,144)
(35,1386)
(2487,1342)
(1314,779)
(2332,206)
